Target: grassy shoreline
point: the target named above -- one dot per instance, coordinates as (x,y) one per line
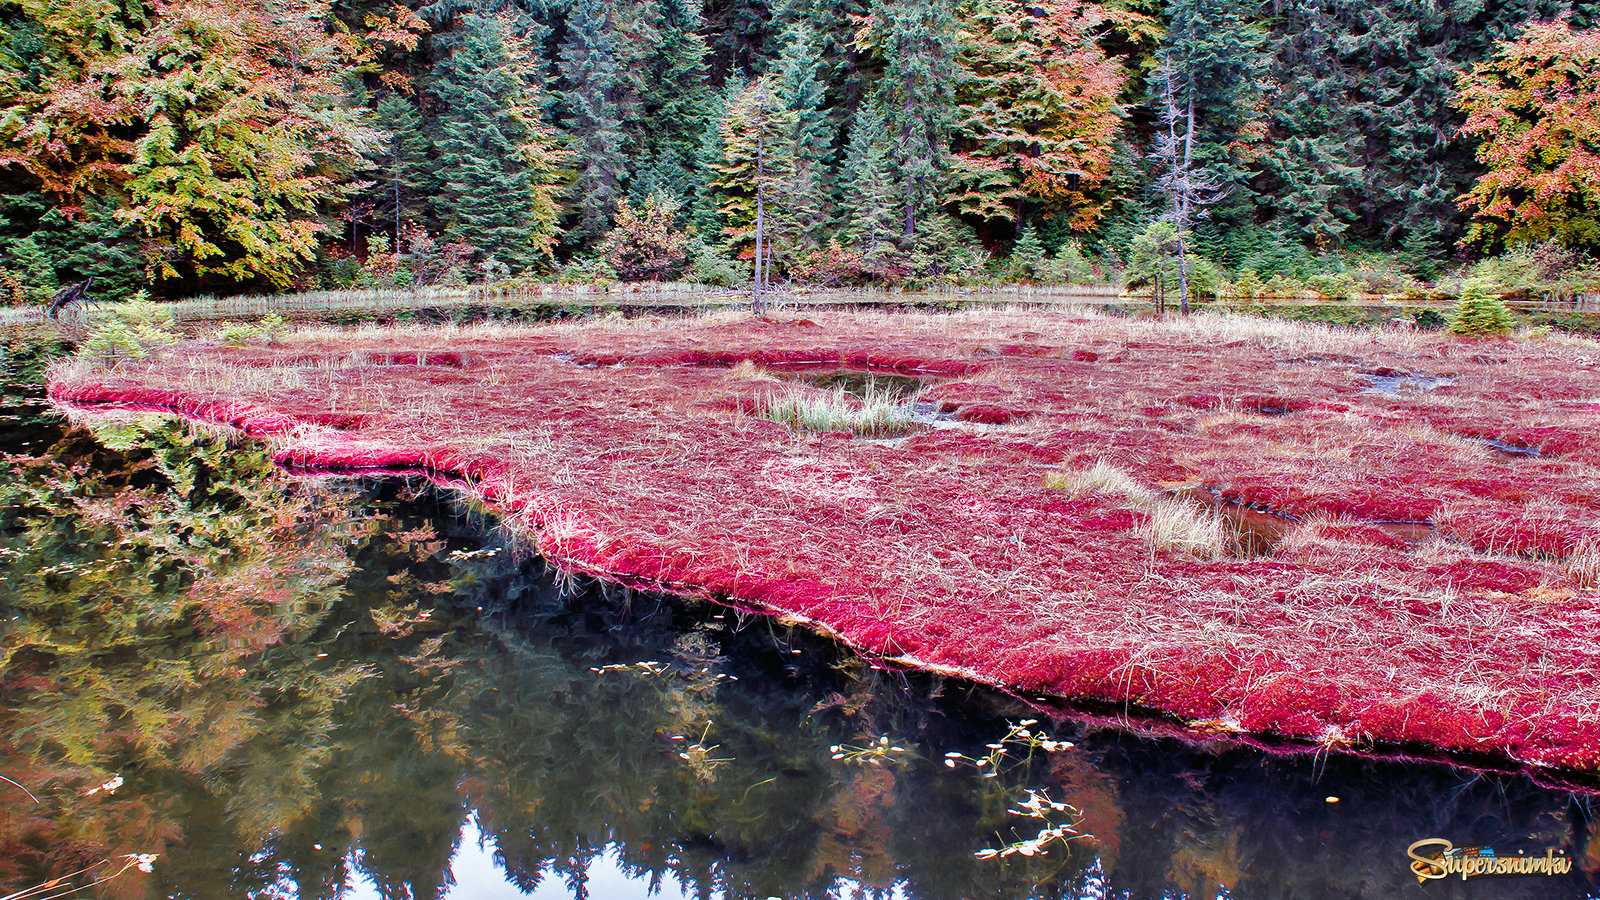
(629,449)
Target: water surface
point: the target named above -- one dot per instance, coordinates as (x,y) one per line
(330,688)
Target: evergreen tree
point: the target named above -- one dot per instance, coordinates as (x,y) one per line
(1364,142)
(1214,61)
(675,103)
(756,169)
(67,246)
(496,193)
(916,39)
(1027,262)
(94,242)
(845,69)
(801,93)
(869,209)
(706,217)
(592,83)
(739,33)
(26,260)
(406,175)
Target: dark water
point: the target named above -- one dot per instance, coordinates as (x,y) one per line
(354,689)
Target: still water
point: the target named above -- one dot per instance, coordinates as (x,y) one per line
(284,687)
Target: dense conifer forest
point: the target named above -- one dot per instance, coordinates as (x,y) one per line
(181,146)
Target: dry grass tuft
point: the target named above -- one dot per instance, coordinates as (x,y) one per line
(1584,564)
(1102,478)
(877,415)
(1182,526)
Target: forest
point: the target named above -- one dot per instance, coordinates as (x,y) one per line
(185,146)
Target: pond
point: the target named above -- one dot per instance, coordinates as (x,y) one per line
(319,688)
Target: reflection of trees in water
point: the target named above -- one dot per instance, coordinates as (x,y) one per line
(164,606)
(302,685)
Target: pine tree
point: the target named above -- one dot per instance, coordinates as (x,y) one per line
(869,208)
(405,174)
(490,196)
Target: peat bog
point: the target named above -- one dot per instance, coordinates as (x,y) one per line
(1416,588)
(353,688)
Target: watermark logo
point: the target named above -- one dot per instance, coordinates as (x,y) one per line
(1436,858)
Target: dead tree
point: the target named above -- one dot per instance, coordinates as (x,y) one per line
(1188,189)
(67,309)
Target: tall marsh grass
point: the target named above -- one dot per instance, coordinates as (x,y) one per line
(878,414)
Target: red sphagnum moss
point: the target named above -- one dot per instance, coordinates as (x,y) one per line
(1422,585)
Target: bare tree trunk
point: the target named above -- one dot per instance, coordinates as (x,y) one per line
(760,217)
(1183,212)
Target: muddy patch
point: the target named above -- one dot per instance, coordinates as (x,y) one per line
(861,384)
(1410,533)
(1256,530)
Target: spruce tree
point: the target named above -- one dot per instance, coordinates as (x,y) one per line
(801,93)
(676,101)
(487,195)
(95,242)
(917,44)
(756,169)
(869,209)
(406,178)
(592,82)
(706,217)
(1214,61)
(739,32)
